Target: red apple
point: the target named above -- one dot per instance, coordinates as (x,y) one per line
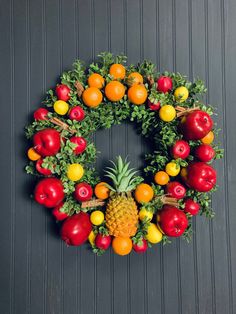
(81,144)
(47,142)
(191,207)
(102,241)
(176,190)
(62,92)
(173,221)
(76,113)
(140,247)
(40,169)
(153,106)
(59,215)
(201,176)
(204,152)
(41,114)
(196,125)
(83,192)
(180,149)
(76,229)
(49,192)
(164,84)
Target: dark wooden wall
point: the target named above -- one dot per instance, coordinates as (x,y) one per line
(38,274)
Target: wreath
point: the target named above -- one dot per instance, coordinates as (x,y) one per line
(126,210)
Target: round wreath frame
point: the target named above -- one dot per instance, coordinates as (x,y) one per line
(108,113)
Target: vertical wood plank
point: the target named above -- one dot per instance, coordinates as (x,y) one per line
(6,134)
(38,240)
(228,9)
(218,226)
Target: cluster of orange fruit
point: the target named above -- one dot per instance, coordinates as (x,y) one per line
(115,89)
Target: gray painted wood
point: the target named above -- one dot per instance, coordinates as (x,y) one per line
(38,273)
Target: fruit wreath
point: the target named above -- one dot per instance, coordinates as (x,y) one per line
(126,211)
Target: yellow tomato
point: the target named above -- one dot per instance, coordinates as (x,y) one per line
(145,214)
(208,139)
(61,107)
(181,94)
(75,172)
(167,113)
(97,217)
(172,169)
(91,238)
(153,235)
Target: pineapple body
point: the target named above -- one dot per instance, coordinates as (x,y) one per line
(122,216)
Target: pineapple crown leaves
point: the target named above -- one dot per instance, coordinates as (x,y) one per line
(123,177)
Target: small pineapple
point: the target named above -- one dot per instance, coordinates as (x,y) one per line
(121,210)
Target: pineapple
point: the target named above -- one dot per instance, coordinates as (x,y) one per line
(121,210)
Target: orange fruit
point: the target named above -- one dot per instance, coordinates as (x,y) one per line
(118,71)
(96,80)
(114,91)
(137,94)
(143,193)
(161,178)
(122,246)
(92,97)
(208,139)
(32,154)
(101,191)
(135,78)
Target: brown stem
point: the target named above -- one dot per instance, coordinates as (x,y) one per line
(92,203)
(166,200)
(150,80)
(183,111)
(79,88)
(62,124)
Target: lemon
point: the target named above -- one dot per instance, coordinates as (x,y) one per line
(167,113)
(154,235)
(181,94)
(172,169)
(61,107)
(91,238)
(75,172)
(97,217)
(145,214)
